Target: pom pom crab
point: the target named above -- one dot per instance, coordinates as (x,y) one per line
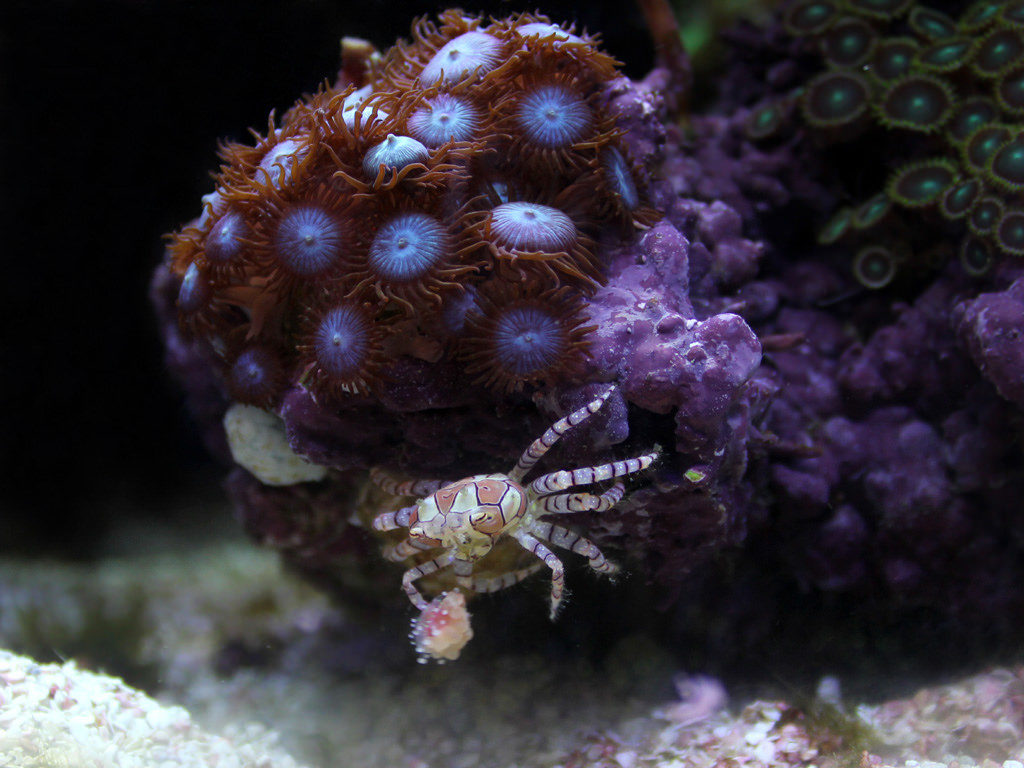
(466,518)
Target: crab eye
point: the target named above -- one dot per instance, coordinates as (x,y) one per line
(485,521)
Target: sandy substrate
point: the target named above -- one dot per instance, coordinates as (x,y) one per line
(248,666)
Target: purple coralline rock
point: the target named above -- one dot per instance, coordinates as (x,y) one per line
(992,325)
(667,360)
(916,357)
(640,109)
(666,331)
(890,473)
(889,450)
(720,165)
(851,442)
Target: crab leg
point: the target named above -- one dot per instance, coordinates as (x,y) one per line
(534,546)
(391,521)
(583,502)
(391,484)
(541,445)
(559,481)
(572,541)
(405,548)
(418,571)
(463,573)
(611,497)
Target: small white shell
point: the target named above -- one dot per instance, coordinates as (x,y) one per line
(258,443)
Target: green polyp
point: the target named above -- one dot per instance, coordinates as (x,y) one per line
(985,215)
(959,198)
(975,256)
(1000,50)
(874,267)
(893,58)
(947,55)
(921,184)
(979,15)
(848,43)
(970,116)
(764,121)
(1010,232)
(810,17)
(1010,91)
(1006,165)
(872,211)
(834,98)
(879,9)
(836,227)
(916,102)
(1013,13)
(983,143)
(931,24)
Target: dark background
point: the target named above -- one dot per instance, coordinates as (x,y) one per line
(110,116)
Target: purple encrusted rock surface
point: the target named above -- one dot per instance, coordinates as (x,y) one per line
(992,327)
(666,333)
(890,473)
(819,439)
(891,453)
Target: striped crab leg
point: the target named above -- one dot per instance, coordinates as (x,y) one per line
(543,444)
(406,548)
(534,546)
(567,478)
(392,521)
(583,502)
(418,571)
(391,484)
(574,542)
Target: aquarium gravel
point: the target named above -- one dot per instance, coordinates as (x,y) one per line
(59,715)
